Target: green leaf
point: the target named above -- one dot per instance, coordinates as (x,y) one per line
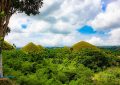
(2,14)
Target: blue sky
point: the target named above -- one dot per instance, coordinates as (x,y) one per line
(24,26)
(86,30)
(63,23)
(104,7)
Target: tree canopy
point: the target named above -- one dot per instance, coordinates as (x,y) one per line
(27,6)
(9,7)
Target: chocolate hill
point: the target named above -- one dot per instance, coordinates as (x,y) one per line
(7,46)
(31,47)
(83,45)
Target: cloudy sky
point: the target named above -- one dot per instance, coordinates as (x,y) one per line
(65,22)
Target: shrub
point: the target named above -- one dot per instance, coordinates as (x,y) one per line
(96,60)
(111,76)
(5,81)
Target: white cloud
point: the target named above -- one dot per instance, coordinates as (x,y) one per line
(108,19)
(63,27)
(16,22)
(38,26)
(46,39)
(56,25)
(114,38)
(96,41)
(78,11)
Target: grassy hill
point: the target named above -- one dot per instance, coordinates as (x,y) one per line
(83,45)
(40,47)
(31,47)
(7,46)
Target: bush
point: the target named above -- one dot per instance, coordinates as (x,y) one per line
(60,66)
(5,81)
(94,59)
(111,76)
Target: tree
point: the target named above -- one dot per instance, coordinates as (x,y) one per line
(109,76)
(7,9)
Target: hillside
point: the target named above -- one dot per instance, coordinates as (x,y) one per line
(83,45)
(7,46)
(60,66)
(31,47)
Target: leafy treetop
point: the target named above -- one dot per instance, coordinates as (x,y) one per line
(26,6)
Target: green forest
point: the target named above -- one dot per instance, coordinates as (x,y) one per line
(53,55)
(81,64)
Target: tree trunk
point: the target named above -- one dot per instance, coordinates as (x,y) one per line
(3,30)
(1,43)
(5,7)
(1,67)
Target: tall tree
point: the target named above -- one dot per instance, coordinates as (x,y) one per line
(7,9)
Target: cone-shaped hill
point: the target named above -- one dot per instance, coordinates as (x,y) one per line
(83,45)
(7,46)
(40,47)
(31,47)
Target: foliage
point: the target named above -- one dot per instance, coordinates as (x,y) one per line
(2,14)
(95,59)
(39,69)
(111,76)
(61,66)
(8,8)
(5,81)
(29,6)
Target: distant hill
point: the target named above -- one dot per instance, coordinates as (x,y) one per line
(31,47)
(115,48)
(83,45)
(40,47)
(7,46)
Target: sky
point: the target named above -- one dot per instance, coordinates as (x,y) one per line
(66,22)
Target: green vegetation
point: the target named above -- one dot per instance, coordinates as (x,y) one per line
(7,46)
(61,66)
(110,76)
(5,81)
